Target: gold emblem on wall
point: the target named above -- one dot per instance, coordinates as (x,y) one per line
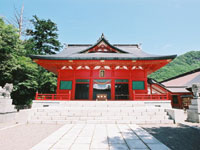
(102,73)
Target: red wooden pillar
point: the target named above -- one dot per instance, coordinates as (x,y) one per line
(73,83)
(167,96)
(113,82)
(70,95)
(130,83)
(146,84)
(180,102)
(91,83)
(58,82)
(36,96)
(133,95)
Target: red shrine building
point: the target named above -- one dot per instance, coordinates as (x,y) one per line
(102,71)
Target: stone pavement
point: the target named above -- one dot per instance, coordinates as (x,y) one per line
(191,124)
(100,137)
(177,136)
(24,136)
(6,125)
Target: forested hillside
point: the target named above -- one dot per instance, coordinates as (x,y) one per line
(183,63)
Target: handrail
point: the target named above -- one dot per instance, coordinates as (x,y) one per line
(53,96)
(150,96)
(67,96)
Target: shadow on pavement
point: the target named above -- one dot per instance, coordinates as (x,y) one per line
(178,137)
(126,140)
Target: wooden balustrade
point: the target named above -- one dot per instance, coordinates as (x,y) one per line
(68,96)
(150,96)
(53,96)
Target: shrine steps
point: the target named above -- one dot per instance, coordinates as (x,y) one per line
(119,112)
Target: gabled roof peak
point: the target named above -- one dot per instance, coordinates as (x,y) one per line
(102,45)
(102,38)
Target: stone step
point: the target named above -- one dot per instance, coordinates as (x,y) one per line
(98,111)
(90,104)
(102,104)
(94,113)
(120,109)
(85,114)
(101,121)
(100,118)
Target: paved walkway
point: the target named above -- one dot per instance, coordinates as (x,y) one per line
(100,137)
(24,136)
(192,125)
(7,125)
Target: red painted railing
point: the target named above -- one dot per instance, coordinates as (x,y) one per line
(150,97)
(53,96)
(68,96)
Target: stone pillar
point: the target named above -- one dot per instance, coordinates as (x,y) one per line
(7,110)
(193,113)
(6,106)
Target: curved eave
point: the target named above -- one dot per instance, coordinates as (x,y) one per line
(102,58)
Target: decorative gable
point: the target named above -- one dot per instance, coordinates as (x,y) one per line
(103,46)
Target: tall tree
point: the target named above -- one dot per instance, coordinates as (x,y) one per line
(18,21)
(10,46)
(43,37)
(15,67)
(43,40)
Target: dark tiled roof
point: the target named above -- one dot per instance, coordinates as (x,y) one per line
(127,52)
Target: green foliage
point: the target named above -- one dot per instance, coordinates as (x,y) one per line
(47,81)
(183,63)
(26,76)
(9,40)
(25,81)
(15,67)
(10,47)
(43,38)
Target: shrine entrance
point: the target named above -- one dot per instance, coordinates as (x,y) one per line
(82,89)
(121,89)
(102,89)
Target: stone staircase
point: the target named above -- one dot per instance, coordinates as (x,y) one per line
(99,112)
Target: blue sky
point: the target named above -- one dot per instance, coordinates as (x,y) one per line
(163,27)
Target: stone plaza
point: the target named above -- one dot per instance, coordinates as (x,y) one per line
(100,137)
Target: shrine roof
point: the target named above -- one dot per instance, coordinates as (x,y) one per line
(113,52)
(177,89)
(173,88)
(185,79)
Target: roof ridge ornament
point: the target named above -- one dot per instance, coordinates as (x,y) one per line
(140,45)
(102,36)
